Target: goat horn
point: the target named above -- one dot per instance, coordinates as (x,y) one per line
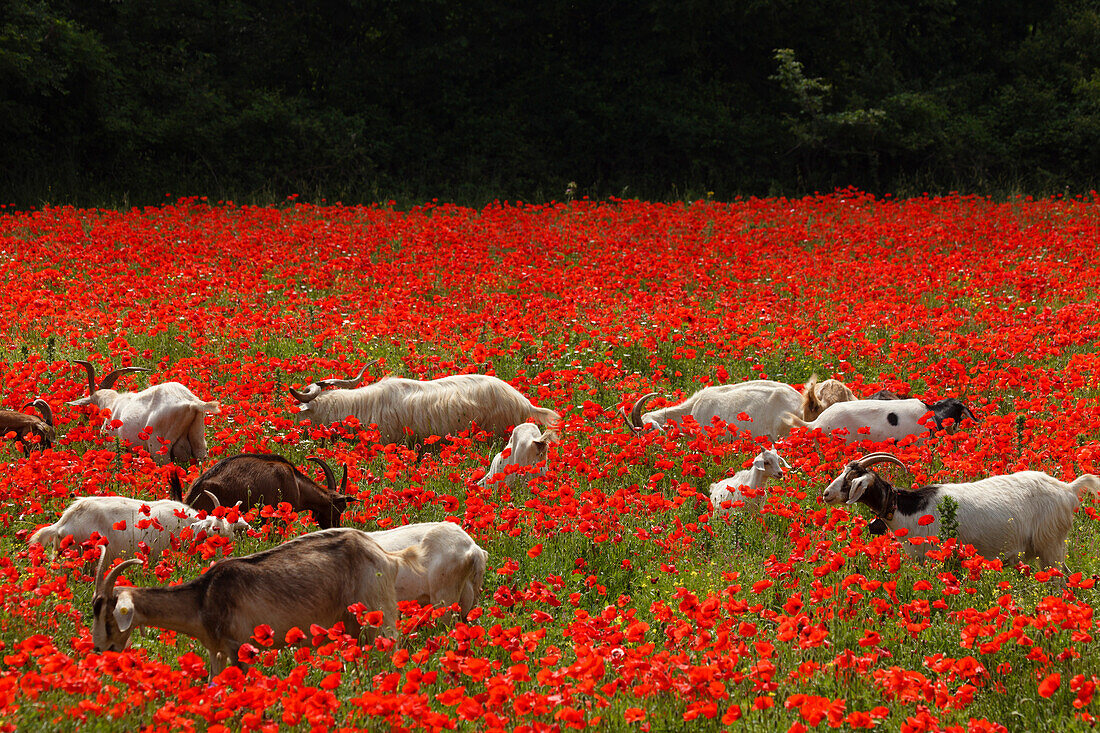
(103,585)
(634,422)
(109,380)
(348,383)
(330,479)
(91,373)
(308,395)
(43,408)
(212,498)
(344,481)
(874,458)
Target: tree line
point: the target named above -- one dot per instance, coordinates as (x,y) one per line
(124,100)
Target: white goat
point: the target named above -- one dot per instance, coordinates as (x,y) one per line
(154,526)
(167,411)
(527,446)
(1026,514)
(405,408)
(728,491)
(763,401)
(882,420)
(452,565)
(312,579)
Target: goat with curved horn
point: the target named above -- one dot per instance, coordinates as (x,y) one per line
(24,426)
(634,420)
(163,413)
(872,459)
(104,585)
(757,407)
(265,479)
(407,410)
(314,390)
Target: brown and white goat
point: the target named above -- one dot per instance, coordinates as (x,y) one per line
(24,426)
(168,411)
(311,579)
(259,479)
(817,396)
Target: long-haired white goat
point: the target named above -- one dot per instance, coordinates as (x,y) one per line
(409,409)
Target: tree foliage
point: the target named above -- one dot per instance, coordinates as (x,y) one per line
(364,99)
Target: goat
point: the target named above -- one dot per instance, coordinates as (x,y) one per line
(527,446)
(166,412)
(1026,514)
(727,492)
(884,419)
(816,398)
(312,579)
(24,425)
(763,401)
(941,410)
(124,523)
(406,408)
(453,566)
(258,479)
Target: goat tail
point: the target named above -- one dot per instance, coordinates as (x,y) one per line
(546,417)
(46,536)
(1086,482)
(411,557)
(792,420)
(210,408)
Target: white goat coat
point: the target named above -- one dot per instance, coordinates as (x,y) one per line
(766,465)
(170,411)
(407,408)
(764,401)
(453,565)
(873,415)
(92,514)
(1026,514)
(526,447)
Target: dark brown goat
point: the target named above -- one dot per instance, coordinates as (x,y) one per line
(267,479)
(24,425)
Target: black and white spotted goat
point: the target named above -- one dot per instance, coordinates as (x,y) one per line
(878,420)
(1020,515)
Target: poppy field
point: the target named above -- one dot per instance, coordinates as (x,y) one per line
(614,598)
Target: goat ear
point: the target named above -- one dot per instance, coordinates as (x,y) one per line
(81,402)
(124,612)
(758,464)
(859,486)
